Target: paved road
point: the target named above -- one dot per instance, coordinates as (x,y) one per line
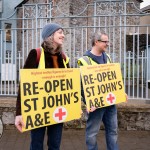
(74,140)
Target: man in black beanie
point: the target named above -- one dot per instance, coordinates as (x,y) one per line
(53,56)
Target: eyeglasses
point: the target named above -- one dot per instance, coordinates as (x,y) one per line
(106,42)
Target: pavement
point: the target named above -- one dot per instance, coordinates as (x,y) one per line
(74,139)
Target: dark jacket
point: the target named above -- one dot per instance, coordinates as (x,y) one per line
(31,62)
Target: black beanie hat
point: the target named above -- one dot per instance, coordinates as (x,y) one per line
(49,29)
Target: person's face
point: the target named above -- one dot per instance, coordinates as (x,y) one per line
(103,43)
(59,37)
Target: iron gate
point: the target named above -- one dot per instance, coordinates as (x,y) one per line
(120,19)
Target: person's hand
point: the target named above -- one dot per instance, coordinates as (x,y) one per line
(91,109)
(19,123)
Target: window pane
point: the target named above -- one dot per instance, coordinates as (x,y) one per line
(8,32)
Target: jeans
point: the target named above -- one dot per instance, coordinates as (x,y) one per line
(109,117)
(54,133)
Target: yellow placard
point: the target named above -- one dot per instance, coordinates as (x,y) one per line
(103,85)
(49,96)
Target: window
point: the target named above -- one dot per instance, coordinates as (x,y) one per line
(8,32)
(8,56)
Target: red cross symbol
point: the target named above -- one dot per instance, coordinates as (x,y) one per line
(60,114)
(110,98)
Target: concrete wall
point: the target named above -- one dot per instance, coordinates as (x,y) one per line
(134,115)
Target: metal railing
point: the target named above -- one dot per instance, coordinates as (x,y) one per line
(127,46)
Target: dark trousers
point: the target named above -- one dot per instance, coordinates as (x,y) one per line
(54,133)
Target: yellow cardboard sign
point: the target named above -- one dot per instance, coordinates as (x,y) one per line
(49,96)
(103,85)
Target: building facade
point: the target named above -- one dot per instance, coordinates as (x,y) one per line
(120,19)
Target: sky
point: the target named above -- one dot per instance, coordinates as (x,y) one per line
(145,3)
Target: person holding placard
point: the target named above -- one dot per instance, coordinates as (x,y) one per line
(51,56)
(107,115)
